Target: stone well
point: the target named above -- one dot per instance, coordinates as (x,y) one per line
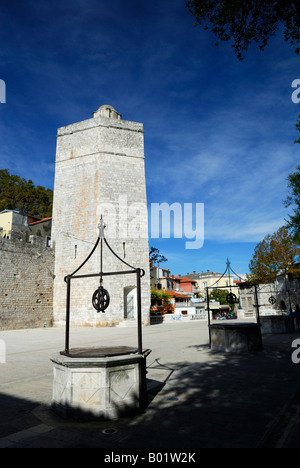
(106,387)
(235,337)
(102,382)
(276,324)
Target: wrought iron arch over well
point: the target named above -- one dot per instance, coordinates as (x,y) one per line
(101,298)
(231,297)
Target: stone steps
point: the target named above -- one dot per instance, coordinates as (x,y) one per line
(128,323)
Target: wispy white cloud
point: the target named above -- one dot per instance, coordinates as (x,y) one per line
(237,173)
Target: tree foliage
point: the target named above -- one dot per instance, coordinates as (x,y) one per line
(156,257)
(159,296)
(17,193)
(219,295)
(276,254)
(293,223)
(247,21)
(298,128)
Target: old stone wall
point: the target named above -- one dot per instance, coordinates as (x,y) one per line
(26,282)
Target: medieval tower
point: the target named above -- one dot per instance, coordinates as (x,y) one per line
(100,171)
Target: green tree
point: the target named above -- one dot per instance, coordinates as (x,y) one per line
(275,254)
(17,193)
(293,200)
(158,296)
(247,21)
(156,257)
(219,295)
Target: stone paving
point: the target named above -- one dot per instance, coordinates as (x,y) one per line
(197,398)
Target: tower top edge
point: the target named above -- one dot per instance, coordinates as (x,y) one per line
(105,116)
(108,112)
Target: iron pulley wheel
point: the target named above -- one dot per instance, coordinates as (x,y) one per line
(231,298)
(101,299)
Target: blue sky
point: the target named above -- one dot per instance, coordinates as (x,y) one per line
(217,131)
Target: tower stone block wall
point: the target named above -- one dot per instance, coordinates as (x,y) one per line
(100,171)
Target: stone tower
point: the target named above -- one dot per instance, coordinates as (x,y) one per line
(100,171)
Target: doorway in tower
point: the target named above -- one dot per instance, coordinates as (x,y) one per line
(130,298)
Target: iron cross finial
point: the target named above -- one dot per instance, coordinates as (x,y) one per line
(101,227)
(228,263)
